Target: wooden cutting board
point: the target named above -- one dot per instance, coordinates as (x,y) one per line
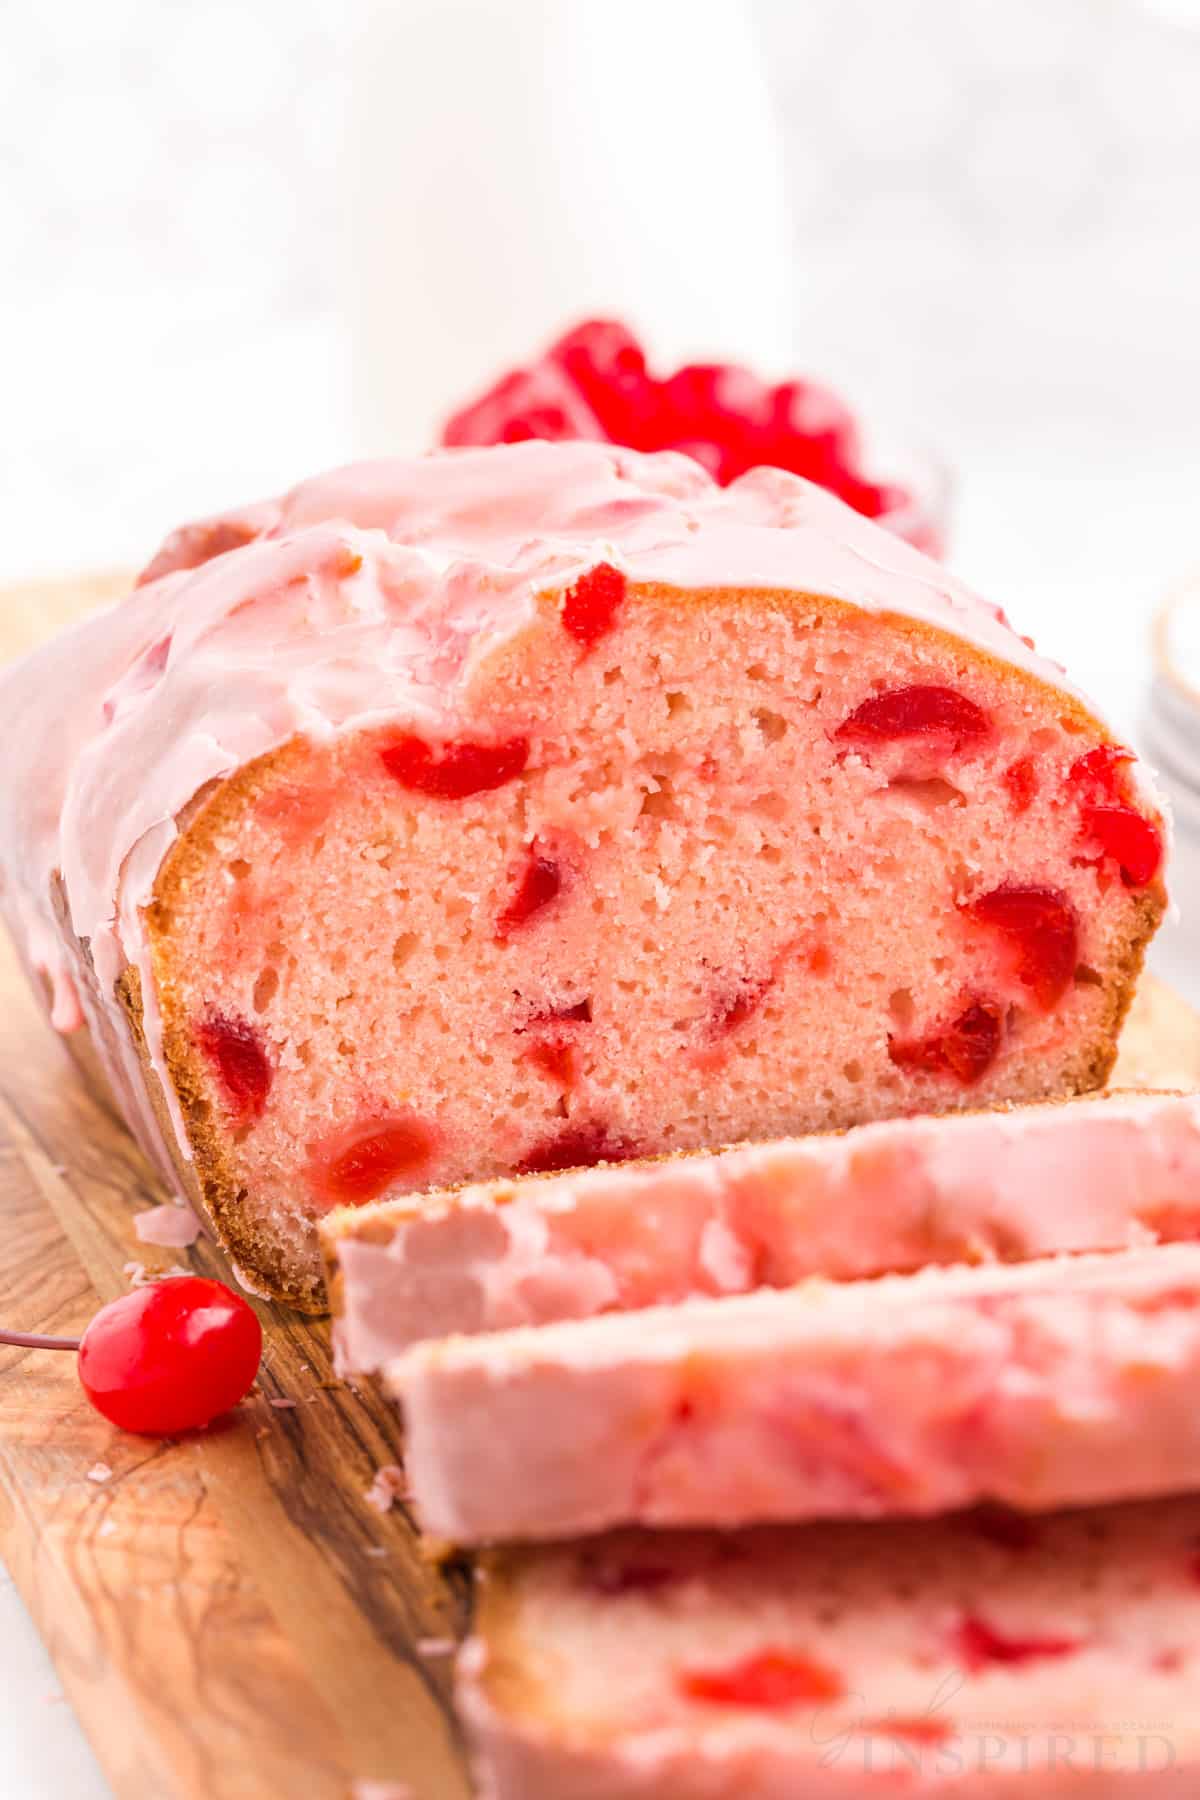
(228,1615)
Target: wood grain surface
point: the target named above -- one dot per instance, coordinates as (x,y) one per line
(228,1615)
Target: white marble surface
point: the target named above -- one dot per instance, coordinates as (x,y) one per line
(43,1752)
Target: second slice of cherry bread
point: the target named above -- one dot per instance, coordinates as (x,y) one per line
(512,810)
(1104,1173)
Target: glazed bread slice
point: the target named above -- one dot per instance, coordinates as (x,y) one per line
(982,1657)
(1061,1382)
(517,809)
(1003,1186)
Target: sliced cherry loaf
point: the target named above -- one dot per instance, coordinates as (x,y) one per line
(982,1657)
(1066,1381)
(1105,1173)
(516,809)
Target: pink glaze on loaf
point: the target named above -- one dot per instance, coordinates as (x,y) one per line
(980,1657)
(1060,1382)
(515,809)
(1004,1186)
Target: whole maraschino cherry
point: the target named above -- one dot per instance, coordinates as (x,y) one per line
(172,1356)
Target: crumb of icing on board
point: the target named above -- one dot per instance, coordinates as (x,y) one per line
(170,1226)
(388,1486)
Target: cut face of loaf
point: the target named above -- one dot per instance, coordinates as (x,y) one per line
(512,810)
(664,893)
(1062,1382)
(983,1657)
(1098,1174)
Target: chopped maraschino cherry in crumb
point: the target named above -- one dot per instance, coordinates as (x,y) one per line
(456,770)
(237,1054)
(170,1357)
(1099,772)
(557,1059)
(540,883)
(591,605)
(740,1004)
(1106,818)
(1021,780)
(363,1160)
(1039,925)
(576,1147)
(964,1049)
(1133,842)
(593,383)
(769,1679)
(980,1644)
(917,712)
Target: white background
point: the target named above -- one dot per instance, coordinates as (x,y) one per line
(994,208)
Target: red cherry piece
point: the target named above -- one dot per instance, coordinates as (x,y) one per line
(769,1679)
(235,1050)
(578,1147)
(1099,771)
(557,1059)
(363,1160)
(917,712)
(1131,840)
(540,882)
(171,1356)
(1021,780)
(193,545)
(965,1049)
(529,403)
(980,1644)
(740,1004)
(591,605)
(607,365)
(455,770)
(1039,924)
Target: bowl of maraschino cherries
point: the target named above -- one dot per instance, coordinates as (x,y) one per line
(169,1357)
(595,382)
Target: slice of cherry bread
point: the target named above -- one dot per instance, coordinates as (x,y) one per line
(981,1657)
(517,809)
(1003,1186)
(1066,1381)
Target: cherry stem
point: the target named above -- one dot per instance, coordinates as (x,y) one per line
(24,1340)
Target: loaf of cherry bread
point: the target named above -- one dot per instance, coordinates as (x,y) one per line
(1062,1382)
(1104,1173)
(525,808)
(981,1657)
